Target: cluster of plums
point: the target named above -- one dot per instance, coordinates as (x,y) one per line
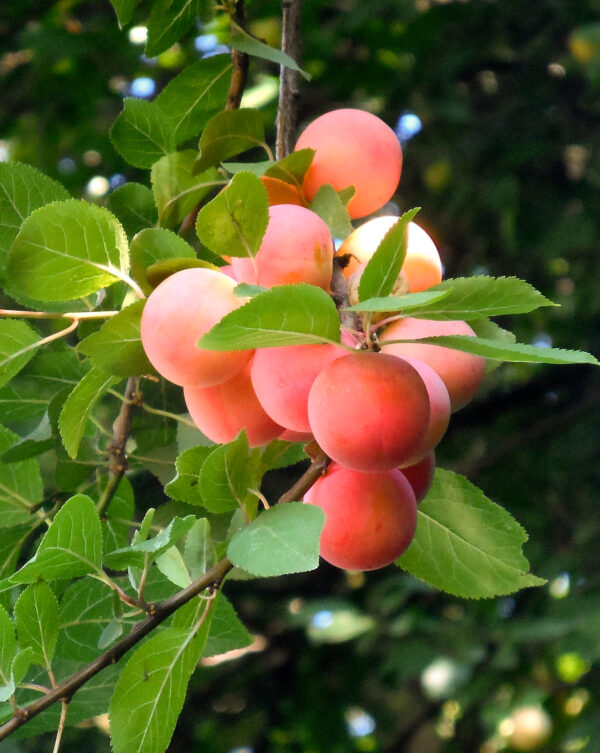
(377,413)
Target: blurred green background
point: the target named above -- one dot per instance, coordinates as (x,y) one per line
(497,103)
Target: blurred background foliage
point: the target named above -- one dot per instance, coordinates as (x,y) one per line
(497,103)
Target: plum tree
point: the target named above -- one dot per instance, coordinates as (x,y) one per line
(422,266)
(370,518)
(420,475)
(181,309)
(353,148)
(369,411)
(462,372)
(282,378)
(297,247)
(222,411)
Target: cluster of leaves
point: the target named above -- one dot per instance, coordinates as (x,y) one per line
(74,578)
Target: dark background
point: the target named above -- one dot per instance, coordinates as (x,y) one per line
(504,162)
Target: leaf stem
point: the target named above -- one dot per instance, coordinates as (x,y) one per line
(64,703)
(17,314)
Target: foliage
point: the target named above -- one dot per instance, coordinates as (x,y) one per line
(61,392)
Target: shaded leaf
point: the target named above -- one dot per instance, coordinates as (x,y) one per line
(227,633)
(154,245)
(292,168)
(186,484)
(226,476)
(235,221)
(142,133)
(176,190)
(18,342)
(190,99)
(124,10)
(199,554)
(8,646)
(229,133)
(78,406)
(21,485)
(133,204)
(116,347)
(407,302)
(169,21)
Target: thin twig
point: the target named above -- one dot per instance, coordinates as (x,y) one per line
(116,449)
(289,90)
(339,290)
(18,314)
(61,725)
(240,60)
(318,466)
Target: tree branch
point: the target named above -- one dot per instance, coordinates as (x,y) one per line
(318,466)
(158,613)
(241,62)
(116,449)
(289,90)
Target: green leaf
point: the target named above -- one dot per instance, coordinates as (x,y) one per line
(330,208)
(489,330)
(37,442)
(285,315)
(22,189)
(36,620)
(465,544)
(199,553)
(18,342)
(176,190)
(247,290)
(227,633)
(8,646)
(169,21)
(186,484)
(111,632)
(78,406)
(158,272)
(154,245)
(506,351)
(86,610)
(21,664)
(11,542)
(151,689)
(190,100)
(229,133)
(172,566)
(142,133)
(71,547)
(226,476)
(116,347)
(67,250)
(253,47)
(256,168)
(408,302)
(280,454)
(235,221)
(21,486)
(133,204)
(475,297)
(282,540)
(293,168)
(170,535)
(124,10)
(382,270)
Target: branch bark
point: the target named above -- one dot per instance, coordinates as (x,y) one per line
(241,62)
(289,90)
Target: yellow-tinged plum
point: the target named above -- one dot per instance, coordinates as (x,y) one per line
(353,148)
(297,247)
(222,411)
(370,518)
(420,475)
(282,378)
(439,409)
(369,411)
(422,266)
(462,372)
(181,309)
